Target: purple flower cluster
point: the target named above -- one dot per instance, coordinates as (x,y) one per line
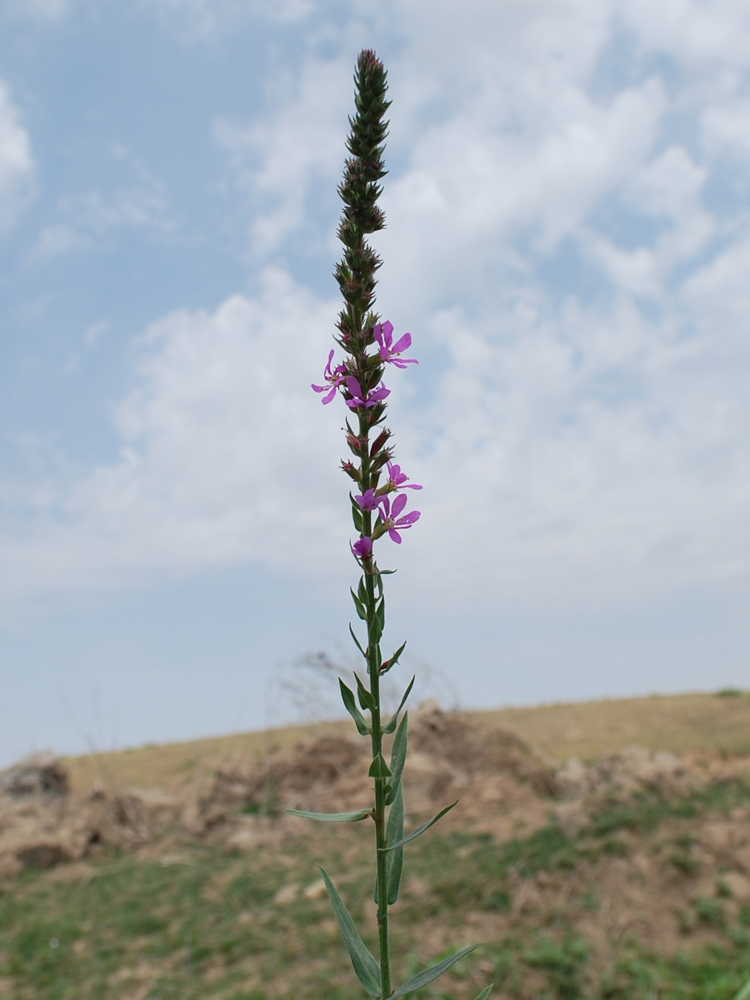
(390,514)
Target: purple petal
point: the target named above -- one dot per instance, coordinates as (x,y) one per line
(395,535)
(401,344)
(353,385)
(380,393)
(327,399)
(398,505)
(408,519)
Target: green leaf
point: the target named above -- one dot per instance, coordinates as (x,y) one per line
(375,632)
(744,992)
(391,724)
(398,757)
(362,590)
(365,966)
(423,978)
(330,817)
(361,610)
(486,992)
(356,514)
(420,829)
(380,614)
(394,862)
(379,768)
(350,705)
(356,641)
(366,700)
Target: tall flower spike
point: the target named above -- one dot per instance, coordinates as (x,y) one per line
(374,515)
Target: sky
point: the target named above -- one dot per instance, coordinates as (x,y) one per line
(568,242)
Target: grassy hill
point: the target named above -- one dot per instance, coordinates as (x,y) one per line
(635,886)
(586,730)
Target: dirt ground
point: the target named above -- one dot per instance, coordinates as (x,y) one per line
(676,863)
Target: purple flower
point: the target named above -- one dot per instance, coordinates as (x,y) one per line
(363,548)
(397,479)
(373,397)
(383,334)
(334,378)
(391,519)
(368,500)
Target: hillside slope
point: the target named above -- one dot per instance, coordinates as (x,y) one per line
(624,876)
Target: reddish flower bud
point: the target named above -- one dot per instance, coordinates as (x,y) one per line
(379,441)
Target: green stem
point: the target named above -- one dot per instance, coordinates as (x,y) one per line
(373,671)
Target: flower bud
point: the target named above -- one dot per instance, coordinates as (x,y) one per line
(379,442)
(351,470)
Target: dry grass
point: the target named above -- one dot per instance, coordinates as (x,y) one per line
(586,730)
(174,765)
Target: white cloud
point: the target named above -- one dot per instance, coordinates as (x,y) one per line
(88,217)
(37,10)
(277,160)
(16,162)
(225,453)
(207,20)
(589,444)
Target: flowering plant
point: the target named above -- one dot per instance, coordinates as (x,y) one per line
(375,511)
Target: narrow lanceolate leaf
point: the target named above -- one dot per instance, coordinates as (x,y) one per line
(361,609)
(356,641)
(354,817)
(379,768)
(398,757)
(356,514)
(366,700)
(375,631)
(365,966)
(420,829)
(380,612)
(486,992)
(394,861)
(347,696)
(423,978)
(393,721)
